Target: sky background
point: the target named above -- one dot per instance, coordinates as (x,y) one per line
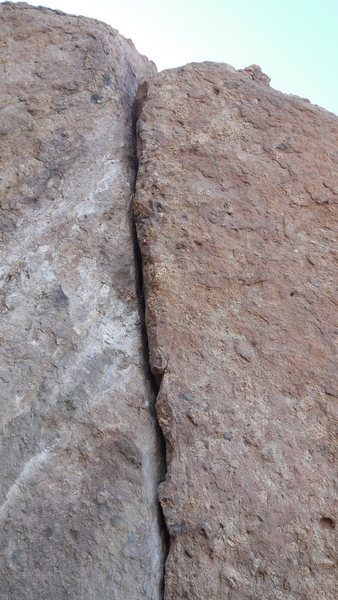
(294,41)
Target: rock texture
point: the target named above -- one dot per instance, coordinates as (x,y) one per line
(236,223)
(79,449)
(234,210)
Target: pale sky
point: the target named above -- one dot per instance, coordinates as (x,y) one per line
(294,41)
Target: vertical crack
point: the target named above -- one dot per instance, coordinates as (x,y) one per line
(154,379)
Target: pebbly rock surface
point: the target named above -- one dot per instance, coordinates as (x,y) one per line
(80,457)
(237,227)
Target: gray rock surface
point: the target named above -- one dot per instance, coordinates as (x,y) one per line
(79,450)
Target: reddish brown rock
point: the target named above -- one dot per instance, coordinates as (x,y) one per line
(237,227)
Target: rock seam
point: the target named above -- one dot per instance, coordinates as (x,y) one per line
(155,379)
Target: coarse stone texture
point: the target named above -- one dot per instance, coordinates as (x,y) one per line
(236,224)
(79,452)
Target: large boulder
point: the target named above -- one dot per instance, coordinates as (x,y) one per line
(236,224)
(80,453)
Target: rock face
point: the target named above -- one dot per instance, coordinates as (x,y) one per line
(80,459)
(236,225)
(235,220)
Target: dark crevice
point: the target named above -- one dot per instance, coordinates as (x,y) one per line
(155,379)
